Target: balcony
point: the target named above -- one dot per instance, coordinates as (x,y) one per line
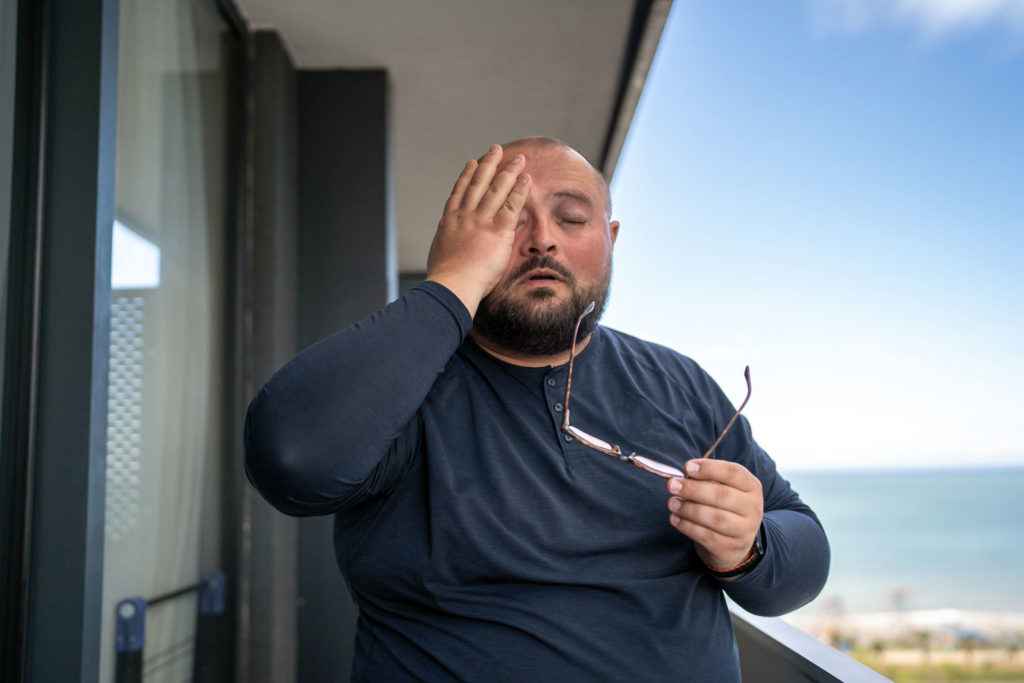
(772,651)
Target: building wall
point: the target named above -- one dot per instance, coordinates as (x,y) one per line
(322,259)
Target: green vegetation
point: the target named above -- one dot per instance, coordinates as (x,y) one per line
(976,665)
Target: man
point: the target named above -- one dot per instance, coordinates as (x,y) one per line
(479,537)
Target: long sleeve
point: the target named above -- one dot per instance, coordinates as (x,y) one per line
(797,555)
(328,428)
(793,570)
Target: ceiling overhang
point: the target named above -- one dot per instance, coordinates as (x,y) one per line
(464,74)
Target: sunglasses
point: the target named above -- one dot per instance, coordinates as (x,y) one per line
(643,462)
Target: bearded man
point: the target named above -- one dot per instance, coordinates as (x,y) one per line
(482,533)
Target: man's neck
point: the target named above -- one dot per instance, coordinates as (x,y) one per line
(523,359)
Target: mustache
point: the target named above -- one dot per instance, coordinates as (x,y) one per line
(546,262)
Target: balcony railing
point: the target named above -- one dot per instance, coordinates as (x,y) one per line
(209,661)
(772,651)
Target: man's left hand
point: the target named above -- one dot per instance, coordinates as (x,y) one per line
(719,505)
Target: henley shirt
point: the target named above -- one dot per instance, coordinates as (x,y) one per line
(479,542)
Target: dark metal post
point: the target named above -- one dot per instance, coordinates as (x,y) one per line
(130,640)
(211,631)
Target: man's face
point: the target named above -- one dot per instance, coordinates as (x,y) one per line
(561,260)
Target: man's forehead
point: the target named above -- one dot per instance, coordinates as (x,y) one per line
(563,155)
(572,194)
(574,179)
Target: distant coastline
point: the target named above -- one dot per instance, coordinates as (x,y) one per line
(939,468)
(943,626)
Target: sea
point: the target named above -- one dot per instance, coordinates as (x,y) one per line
(916,540)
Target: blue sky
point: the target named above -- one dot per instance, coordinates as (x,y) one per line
(832,191)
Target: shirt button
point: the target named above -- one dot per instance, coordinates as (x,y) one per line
(558,407)
(567,437)
(551,382)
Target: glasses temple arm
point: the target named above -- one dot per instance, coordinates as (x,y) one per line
(728,425)
(572,355)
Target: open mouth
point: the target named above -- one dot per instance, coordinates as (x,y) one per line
(542,276)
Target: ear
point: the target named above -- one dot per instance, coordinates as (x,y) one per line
(613,229)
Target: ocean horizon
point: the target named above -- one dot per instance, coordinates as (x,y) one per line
(919,540)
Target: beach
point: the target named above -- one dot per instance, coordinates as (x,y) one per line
(937,629)
(927,645)
(927,577)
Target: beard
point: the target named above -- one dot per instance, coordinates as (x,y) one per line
(537,325)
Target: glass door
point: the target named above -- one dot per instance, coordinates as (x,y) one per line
(168,319)
(8,34)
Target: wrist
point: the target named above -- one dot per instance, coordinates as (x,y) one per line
(466,292)
(747,564)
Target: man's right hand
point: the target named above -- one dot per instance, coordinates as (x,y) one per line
(474,240)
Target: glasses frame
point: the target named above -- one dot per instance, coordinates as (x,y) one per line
(608,448)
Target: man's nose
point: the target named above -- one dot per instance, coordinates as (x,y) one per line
(539,236)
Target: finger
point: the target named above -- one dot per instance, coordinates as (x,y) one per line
(715,493)
(481,179)
(712,494)
(723,522)
(724,472)
(508,216)
(461,183)
(707,537)
(714,549)
(497,193)
(508,213)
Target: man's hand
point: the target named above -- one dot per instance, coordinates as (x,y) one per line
(719,505)
(474,239)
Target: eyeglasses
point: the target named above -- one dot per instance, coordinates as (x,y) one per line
(649,464)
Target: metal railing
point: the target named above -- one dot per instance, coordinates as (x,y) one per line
(130,640)
(772,651)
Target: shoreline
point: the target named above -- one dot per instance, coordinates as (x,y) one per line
(939,627)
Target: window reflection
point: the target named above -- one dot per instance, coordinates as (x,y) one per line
(136,260)
(165,383)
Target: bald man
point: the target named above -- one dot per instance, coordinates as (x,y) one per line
(485,534)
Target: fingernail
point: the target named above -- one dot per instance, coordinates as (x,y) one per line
(517,158)
(675,486)
(692,467)
(494,149)
(675,504)
(524,179)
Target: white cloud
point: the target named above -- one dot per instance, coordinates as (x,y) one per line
(937,17)
(932,18)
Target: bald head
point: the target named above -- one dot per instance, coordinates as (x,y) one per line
(544,143)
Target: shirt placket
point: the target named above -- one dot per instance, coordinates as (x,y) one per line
(554,395)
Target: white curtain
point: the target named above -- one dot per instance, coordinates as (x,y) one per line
(164,426)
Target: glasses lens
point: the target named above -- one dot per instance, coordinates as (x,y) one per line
(592,441)
(659,468)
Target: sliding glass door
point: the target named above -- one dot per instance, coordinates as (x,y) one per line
(165,408)
(8,35)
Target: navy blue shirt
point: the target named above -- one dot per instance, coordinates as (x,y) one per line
(478,542)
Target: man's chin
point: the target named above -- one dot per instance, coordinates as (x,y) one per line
(542,294)
(537,320)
